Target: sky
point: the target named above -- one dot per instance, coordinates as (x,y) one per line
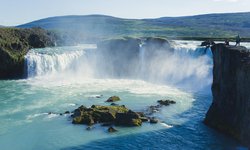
(16,12)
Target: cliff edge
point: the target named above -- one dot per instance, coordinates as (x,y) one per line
(15,43)
(230,109)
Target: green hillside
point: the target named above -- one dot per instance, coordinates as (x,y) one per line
(99,26)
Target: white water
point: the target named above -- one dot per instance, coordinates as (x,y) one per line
(81,73)
(188,67)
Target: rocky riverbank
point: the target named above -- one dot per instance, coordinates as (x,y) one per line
(230,110)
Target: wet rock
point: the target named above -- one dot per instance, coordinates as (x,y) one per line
(99,96)
(66,112)
(89,128)
(153,120)
(114,104)
(166,102)
(208,43)
(111,129)
(153,109)
(128,119)
(144,119)
(96,114)
(113,99)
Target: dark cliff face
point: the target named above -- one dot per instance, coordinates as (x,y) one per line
(15,43)
(230,110)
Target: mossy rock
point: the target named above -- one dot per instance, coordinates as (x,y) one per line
(166,102)
(136,122)
(113,99)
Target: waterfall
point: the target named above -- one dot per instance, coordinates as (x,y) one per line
(49,61)
(188,66)
(142,60)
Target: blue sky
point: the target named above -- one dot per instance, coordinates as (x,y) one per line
(14,12)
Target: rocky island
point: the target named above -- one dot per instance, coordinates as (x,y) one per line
(230,110)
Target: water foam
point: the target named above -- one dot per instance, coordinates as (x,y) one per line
(189,65)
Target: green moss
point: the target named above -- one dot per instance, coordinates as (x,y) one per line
(136,122)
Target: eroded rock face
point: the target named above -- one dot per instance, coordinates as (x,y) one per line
(230,110)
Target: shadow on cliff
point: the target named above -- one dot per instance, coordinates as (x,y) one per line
(193,134)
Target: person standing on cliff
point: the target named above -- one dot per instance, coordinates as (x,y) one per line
(238,40)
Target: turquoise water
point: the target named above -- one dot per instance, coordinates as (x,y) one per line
(25,123)
(53,86)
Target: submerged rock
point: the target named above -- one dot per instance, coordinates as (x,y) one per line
(166,102)
(153,120)
(114,104)
(89,128)
(113,99)
(111,129)
(153,109)
(66,112)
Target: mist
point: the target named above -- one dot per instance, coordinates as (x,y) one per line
(175,63)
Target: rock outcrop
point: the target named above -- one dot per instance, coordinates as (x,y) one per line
(113,99)
(117,115)
(15,43)
(230,110)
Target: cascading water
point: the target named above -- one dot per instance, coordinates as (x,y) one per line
(189,66)
(142,60)
(63,78)
(51,61)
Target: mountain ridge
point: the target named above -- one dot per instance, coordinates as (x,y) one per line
(103,26)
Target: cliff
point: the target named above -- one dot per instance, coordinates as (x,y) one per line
(230,109)
(15,43)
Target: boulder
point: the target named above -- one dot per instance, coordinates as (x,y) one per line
(114,104)
(89,128)
(111,129)
(153,109)
(153,120)
(66,112)
(113,99)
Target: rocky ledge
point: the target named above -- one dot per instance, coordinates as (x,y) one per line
(230,109)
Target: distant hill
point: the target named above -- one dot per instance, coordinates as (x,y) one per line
(99,26)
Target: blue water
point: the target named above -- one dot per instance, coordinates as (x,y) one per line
(25,122)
